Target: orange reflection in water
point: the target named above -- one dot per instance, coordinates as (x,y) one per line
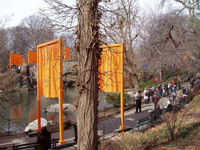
(51,117)
(16,112)
(32,114)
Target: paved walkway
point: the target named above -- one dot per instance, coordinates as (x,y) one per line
(106,126)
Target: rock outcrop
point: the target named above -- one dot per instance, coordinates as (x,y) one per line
(34,125)
(66,108)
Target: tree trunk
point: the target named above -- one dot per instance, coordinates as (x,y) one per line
(88,27)
(160,69)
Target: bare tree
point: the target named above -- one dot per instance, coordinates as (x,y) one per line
(37,30)
(166,41)
(62,16)
(18,40)
(88,50)
(121,24)
(192,6)
(82,19)
(4,43)
(32,31)
(62,19)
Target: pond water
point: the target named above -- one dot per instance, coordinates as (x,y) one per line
(21,108)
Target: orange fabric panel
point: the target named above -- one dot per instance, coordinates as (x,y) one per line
(32,57)
(15,59)
(49,69)
(66,53)
(111,68)
(16,112)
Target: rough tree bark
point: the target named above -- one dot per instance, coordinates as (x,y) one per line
(87,47)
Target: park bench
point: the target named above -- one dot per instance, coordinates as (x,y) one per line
(3,147)
(141,123)
(33,145)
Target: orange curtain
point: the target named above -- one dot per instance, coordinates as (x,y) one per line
(49,78)
(111,68)
(15,59)
(66,53)
(50,68)
(16,112)
(32,57)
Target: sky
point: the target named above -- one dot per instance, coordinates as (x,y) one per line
(20,9)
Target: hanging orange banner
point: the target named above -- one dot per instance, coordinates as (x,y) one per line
(49,66)
(15,59)
(32,57)
(112,73)
(111,68)
(49,78)
(66,53)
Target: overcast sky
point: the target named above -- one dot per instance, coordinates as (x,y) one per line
(20,9)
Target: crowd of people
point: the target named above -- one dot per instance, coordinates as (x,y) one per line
(173,91)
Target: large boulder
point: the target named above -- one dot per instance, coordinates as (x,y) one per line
(66,108)
(34,125)
(33,72)
(25,70)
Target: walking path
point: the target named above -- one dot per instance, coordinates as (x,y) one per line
(105,127)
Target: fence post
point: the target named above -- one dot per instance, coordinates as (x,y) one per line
(13,147)
(103,131)
(8,126)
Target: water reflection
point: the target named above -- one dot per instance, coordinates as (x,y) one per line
(21,108)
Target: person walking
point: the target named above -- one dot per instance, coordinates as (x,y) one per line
(174,93)
(151,93)
(138,98)
(155,98)
(146,95)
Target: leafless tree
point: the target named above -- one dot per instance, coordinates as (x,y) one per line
(121,24)
(89,54)
(63,20)
(63,17)
(166,42)
(18,40)
(192,6)
(4,43)
(82,19)
(37,30)
(32,31)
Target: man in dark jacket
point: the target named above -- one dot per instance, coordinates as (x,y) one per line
(138,98)
(44,139)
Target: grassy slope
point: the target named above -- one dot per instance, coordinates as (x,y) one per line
(187,135)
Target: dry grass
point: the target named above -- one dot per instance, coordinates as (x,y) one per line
(157,138)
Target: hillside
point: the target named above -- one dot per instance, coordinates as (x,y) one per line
(186,132)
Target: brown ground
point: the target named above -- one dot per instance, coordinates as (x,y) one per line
(191,116)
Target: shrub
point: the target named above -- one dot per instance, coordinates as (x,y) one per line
(114,98)
(150,83)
